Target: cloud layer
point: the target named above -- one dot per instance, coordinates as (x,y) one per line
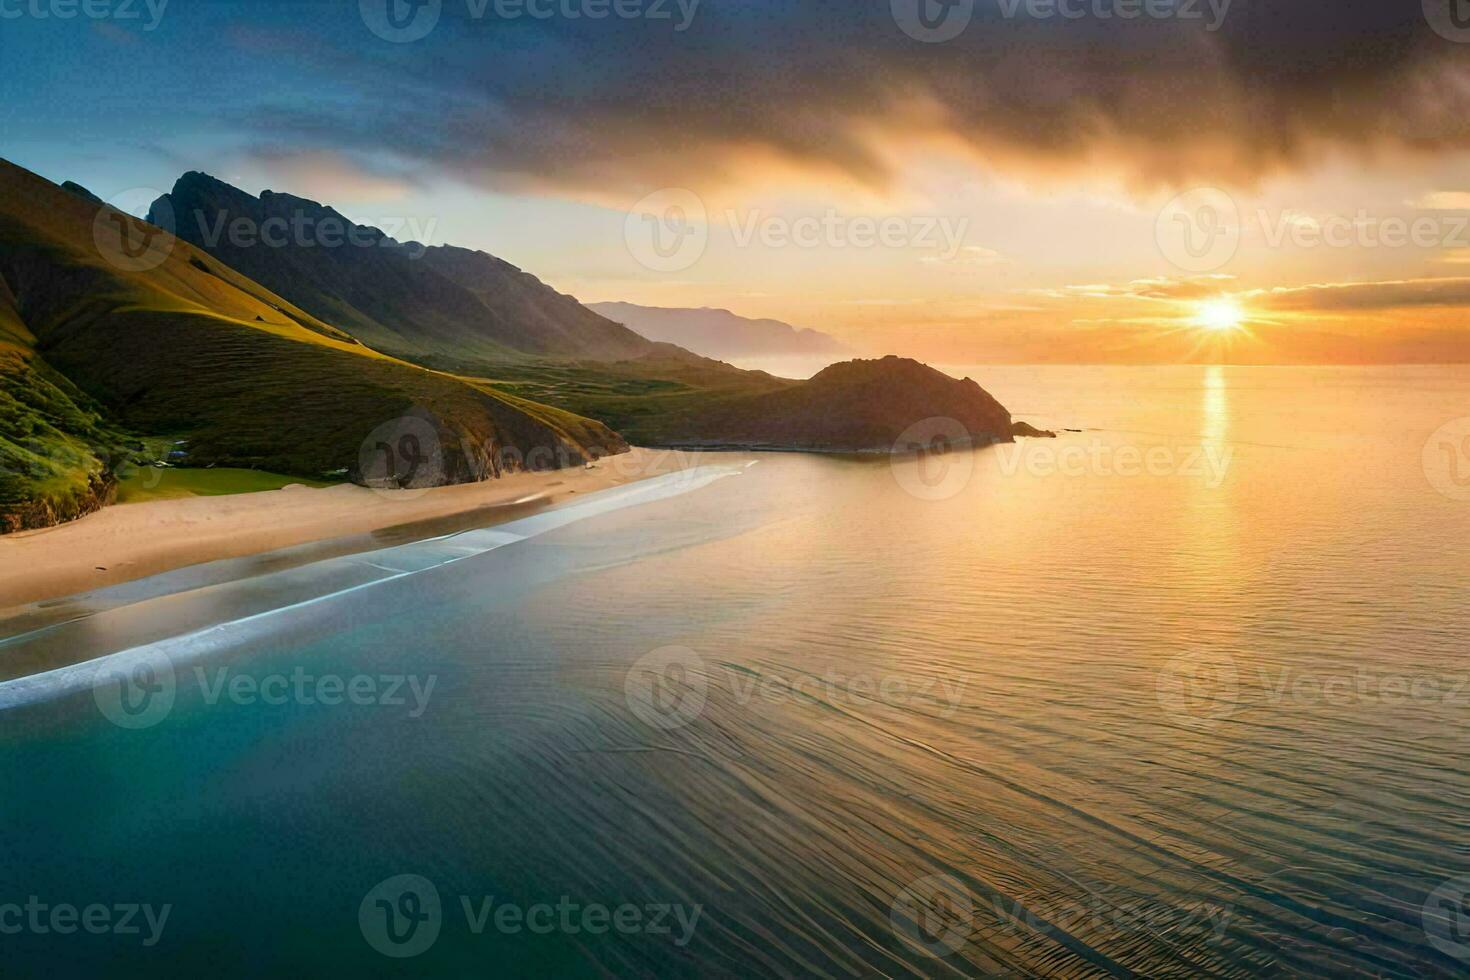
(836,87)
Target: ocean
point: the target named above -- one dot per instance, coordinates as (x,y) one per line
(1182,693)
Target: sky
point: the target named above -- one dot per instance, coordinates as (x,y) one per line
(965,181)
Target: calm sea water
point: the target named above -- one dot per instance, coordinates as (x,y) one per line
(1182,694)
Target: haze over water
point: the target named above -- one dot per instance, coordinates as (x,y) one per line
(1076,708)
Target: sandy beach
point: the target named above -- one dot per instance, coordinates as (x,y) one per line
(132,541)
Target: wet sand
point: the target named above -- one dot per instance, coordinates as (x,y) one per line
(133,541)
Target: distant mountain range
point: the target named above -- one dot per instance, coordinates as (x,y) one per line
(273,333)
(404,299)
(722,334)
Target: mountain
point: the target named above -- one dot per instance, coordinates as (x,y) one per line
(721,334)
(112,330)
(80,191)
(855,406)
(441,305)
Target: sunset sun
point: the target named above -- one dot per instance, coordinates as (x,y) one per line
(1220,315)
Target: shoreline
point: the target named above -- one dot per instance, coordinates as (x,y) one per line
(128,542)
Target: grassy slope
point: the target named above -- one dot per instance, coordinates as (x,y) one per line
(651,401)
(143,483)
(193,349)
(52,437)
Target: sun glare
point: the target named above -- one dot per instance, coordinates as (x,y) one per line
(1220,314)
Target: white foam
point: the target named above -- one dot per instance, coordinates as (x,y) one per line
(393,564)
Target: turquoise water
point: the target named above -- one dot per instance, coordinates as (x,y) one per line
(1182,694)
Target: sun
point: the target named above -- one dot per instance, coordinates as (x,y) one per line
(1220,315)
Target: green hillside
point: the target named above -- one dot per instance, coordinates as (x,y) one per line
(110,325)
(53,440)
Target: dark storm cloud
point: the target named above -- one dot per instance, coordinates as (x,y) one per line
(836,85)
